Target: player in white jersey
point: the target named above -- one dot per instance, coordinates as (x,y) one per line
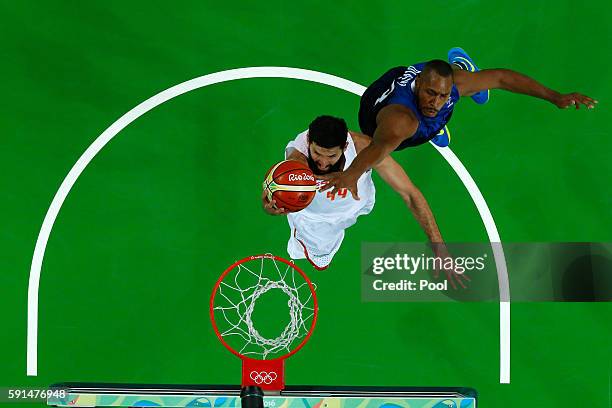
(318,230)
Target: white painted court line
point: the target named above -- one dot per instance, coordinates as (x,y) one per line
(498,255)
(231,75)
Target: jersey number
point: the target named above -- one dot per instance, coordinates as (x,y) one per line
(385,94)
(341,193)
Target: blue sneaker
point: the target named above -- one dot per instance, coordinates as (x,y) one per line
(460,58)
(442,139)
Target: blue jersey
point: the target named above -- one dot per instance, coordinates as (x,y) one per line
(401,92)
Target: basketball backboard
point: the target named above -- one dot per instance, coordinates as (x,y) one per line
(142,395)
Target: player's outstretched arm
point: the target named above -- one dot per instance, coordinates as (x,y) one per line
(396,177)
(395,124)
(469,83)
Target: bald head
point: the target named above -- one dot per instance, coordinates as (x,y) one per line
(433,87)
(438,67)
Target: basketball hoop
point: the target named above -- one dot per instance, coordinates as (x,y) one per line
(233,310)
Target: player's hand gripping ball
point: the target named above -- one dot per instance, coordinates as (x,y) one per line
(291,184)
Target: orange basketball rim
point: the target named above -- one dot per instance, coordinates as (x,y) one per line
(233,301)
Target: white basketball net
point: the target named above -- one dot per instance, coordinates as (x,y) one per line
(236,300)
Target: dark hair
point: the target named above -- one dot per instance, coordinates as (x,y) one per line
(440,67)
(328,131)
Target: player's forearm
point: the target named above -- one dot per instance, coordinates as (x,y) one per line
(519,83)
(424,216)
(369,157)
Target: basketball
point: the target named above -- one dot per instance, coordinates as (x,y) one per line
(291,184)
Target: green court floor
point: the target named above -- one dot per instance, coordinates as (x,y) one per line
(173,199)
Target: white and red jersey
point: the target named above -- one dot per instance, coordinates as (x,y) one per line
(319,228)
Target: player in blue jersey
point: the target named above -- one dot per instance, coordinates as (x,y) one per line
(409,106)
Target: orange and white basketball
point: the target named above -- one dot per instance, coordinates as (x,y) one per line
(291,184)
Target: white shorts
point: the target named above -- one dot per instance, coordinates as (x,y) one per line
(317,241)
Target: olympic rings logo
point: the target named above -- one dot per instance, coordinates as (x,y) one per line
(263,377)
